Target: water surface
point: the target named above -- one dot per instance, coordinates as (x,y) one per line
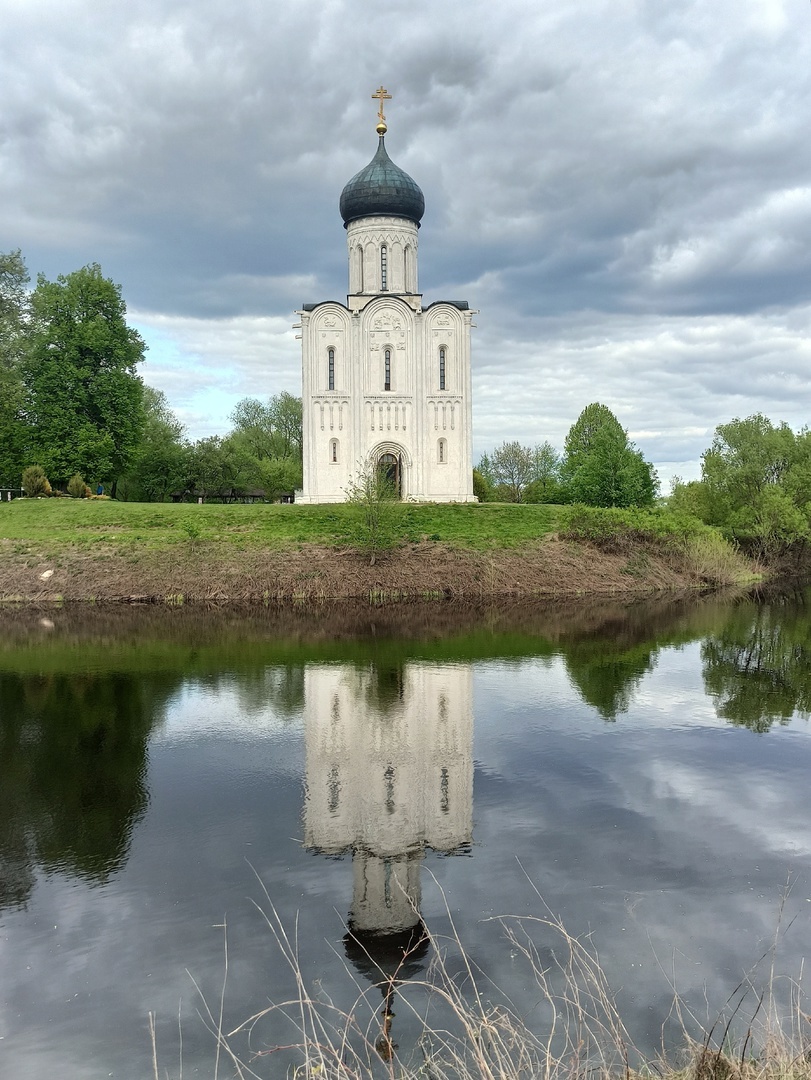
(643,772)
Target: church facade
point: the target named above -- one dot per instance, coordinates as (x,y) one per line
(386,381)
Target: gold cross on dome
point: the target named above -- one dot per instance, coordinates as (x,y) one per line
(382,95)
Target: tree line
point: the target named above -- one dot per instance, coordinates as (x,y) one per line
(73,406)
(599,466)
(755,484)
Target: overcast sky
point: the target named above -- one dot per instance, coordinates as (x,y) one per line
(622,189)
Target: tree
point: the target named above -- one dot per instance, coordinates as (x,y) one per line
(270,435)
(161,460)
(746,458)
(285,414)
(482,488)
(755,479)
(601,467)
(13,322)
(83,397)
(511,470)
(376,511)
(545,486)
(219,468)
(271,430)
(14,280)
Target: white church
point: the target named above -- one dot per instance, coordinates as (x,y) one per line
(385,380)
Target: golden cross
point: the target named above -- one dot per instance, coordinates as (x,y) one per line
(381,95)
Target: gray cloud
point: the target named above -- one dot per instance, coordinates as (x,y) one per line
(622,190)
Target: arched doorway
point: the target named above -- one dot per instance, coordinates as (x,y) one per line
(390,469)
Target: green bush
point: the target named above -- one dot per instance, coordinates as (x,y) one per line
(481,487)
(77,487)
(614,529)
(700,549)
(35,482)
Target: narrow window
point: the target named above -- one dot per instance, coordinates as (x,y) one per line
(333,451)
(442,452)
(387,370)
(389,778)
(333,790)
(442,368)
(384,270)
(444,791)
(331,368)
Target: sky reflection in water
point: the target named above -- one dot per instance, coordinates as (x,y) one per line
(645,772)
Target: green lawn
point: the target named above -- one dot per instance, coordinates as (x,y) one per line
(48,523)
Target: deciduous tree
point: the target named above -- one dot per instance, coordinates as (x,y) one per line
(510,470)
(601,467)
(755,478)
(161,461)
(83,395)
(13,322)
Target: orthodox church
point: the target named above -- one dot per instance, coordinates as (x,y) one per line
(386,381)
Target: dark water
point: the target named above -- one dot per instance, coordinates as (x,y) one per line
(643,773)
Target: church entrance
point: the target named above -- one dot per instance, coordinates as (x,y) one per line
(389,469)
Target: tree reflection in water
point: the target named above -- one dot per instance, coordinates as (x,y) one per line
(757,668)
(73,752)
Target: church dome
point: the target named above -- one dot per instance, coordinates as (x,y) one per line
(382,188)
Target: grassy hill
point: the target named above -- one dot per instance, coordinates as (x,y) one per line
(47,524)
(88,549)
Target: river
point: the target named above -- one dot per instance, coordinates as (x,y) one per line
(372,779)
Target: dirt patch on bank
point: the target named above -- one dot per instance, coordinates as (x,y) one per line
(211,572)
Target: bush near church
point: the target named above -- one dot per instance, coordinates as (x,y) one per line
(77,487)
(35,482)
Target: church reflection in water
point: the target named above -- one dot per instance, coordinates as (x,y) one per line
(389,773)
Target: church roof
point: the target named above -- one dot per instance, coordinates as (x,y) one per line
(382,188)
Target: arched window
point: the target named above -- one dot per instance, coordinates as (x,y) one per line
(333,451)
(384,268)
(330,369)
(387,369)
(442,452)
(442,356)
(409,286)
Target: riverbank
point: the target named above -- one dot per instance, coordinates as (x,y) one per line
(81,550)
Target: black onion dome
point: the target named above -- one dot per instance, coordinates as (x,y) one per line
(382,188)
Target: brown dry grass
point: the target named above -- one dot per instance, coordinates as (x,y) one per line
(211,571)
(470,1030)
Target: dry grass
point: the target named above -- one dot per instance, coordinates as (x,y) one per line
(470,1030)
(714,561)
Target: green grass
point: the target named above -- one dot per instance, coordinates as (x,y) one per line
(50,523)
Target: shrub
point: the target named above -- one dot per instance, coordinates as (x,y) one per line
(714,561)
(35,482)
(614,529)
(77,487)
(699,548)
(375,513)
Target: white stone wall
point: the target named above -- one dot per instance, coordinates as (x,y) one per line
(365,240)
(429,429)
